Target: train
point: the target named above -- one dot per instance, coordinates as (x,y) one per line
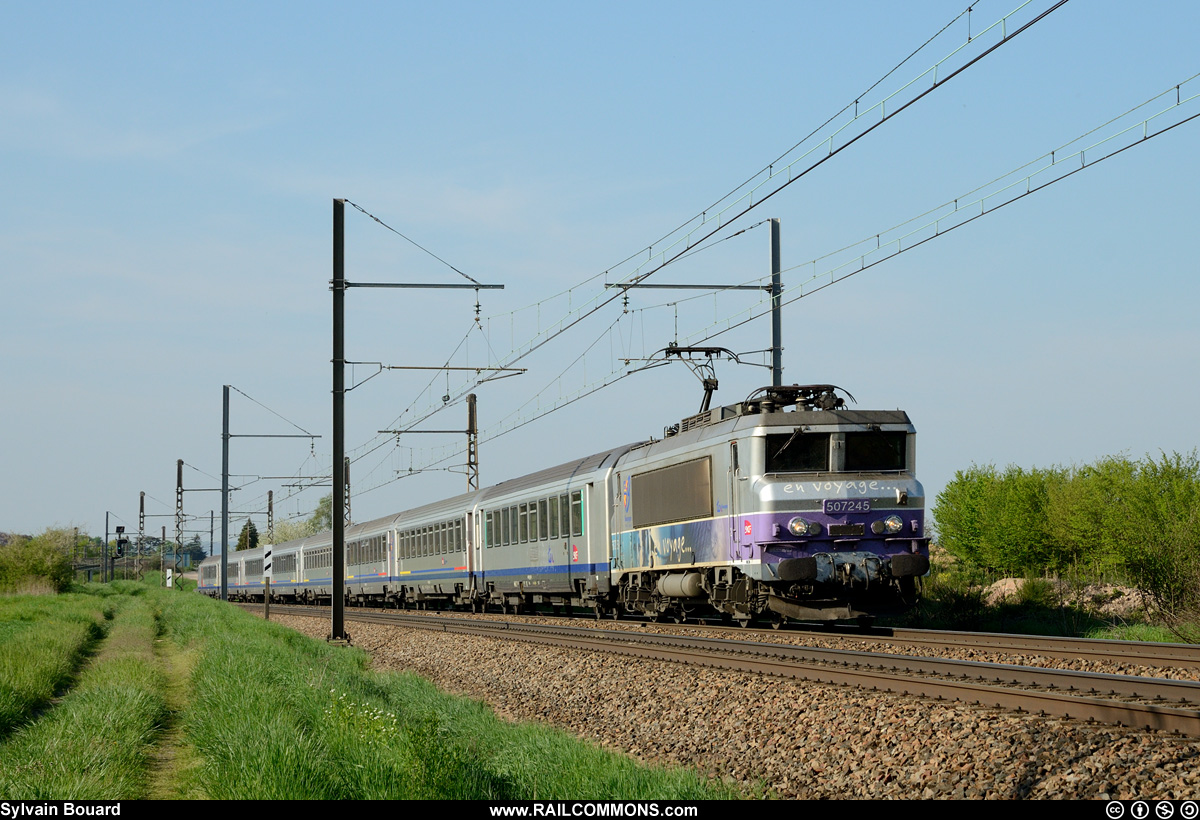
(788,505)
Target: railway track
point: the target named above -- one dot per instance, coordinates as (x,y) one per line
(1134,652)
(1124,700)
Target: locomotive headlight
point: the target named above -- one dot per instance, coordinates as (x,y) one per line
(892,524)
(800,527)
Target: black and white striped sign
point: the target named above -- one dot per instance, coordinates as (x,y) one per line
(267,563)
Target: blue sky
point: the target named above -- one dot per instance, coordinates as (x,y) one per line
(169,170)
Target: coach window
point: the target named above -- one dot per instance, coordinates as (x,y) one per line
(458,536)
(577,512)
(533,521)
(543,525)
(553,516)
(564,515)
(524,513)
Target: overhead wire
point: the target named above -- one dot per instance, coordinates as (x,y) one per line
(413,242)
(639,274)
(689,241)
(1056,159)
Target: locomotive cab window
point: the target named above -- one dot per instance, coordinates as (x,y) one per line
(875,451)
(797,452)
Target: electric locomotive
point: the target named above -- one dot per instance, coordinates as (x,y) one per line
(757,511)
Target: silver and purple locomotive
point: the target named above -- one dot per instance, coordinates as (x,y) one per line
(757,511)
(787,505)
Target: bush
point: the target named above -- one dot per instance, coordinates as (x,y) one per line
(999,522)
(1136,519)
(38,564)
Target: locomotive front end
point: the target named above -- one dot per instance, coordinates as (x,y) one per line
(839,521)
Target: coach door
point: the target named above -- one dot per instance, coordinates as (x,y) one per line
(735,517)
(475,556)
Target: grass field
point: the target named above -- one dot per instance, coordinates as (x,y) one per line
(148,692)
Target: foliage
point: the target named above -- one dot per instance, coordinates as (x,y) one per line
(293,530)
(322,517)
(195,549)
(998,521)
(1138,520)
(321,520)
(248,539)
(41,563)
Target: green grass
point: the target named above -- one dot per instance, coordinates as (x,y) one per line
(94,743)
(43,641)
(276,715)
(1132,632)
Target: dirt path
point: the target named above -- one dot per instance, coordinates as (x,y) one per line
(172,765)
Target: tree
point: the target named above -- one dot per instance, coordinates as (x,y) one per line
(292,530)
(195,549)
(248,539)
(322,517)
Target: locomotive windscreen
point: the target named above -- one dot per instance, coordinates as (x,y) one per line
(798,453)
(875,451)
(680,492)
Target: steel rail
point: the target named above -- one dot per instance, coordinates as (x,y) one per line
(905,675)
(1138,652)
